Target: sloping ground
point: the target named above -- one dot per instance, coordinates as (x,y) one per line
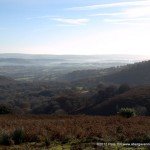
(134,74)
(138,98)
(81,75)
(138,73)
(6,80)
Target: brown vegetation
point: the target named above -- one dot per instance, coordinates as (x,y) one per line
(68,128)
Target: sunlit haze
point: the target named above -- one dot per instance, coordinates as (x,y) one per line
(75,27)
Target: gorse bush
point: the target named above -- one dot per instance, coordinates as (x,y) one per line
(127,112)
(5,109)
(18,136)
(6,139)
(47,141)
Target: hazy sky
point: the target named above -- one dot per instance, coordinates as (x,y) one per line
(75,26)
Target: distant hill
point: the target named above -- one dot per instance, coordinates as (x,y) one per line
(138,73)
(116,59)
(133,74)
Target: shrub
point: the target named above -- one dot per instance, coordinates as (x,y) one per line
(5,109)
(123,88)
(127,112)
(47,141)
(119,129)
(18,136)
(6,139)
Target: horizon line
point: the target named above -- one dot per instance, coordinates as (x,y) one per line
(148,55)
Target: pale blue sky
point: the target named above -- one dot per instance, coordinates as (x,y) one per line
(75,26)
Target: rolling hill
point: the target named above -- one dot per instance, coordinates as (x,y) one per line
(133,74)
(136,74)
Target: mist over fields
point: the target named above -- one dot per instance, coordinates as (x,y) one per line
(49,67)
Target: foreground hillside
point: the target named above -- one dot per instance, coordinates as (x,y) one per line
(57,98)
(137,98)
(73,131)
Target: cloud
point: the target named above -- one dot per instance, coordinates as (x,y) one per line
(138,12)
(63,21)
(109,5)
(134,14)
(41,17)
(67,21)
(129,20)
(107,14)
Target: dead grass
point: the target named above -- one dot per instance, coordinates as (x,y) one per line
(66,129)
